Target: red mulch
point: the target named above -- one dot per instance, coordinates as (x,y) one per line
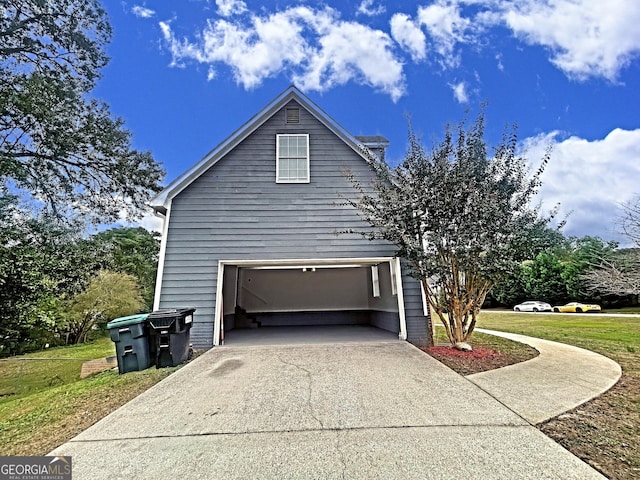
(449,351)
(478,360)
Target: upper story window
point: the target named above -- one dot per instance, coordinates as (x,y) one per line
(292,158)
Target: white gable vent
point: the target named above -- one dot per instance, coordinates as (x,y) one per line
(292,115)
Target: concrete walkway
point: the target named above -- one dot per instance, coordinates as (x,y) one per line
(561,378)
(327,411)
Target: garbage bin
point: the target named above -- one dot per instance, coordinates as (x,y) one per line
(169,335)
(130,334)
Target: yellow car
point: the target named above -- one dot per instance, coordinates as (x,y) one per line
(577,307)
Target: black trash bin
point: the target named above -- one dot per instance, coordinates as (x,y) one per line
(130,334)
(170,334)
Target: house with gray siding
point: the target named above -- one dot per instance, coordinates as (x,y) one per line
(251,233)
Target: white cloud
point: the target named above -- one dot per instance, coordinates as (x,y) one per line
(151,223)
(460,92)
(586,37)
(350,51)
(179,49)
(148,221)
(590,179)
(253,53)
(142,12)
(226,8)
(446,27)
(368,8)
(409,36)
(314,47)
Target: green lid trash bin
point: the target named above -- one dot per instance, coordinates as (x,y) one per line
(131,336)
(169,333)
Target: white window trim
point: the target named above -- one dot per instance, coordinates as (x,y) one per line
(278,179)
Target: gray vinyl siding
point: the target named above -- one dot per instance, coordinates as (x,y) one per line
(418,325)
(237,211)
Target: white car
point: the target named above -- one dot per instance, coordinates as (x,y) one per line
(532,306)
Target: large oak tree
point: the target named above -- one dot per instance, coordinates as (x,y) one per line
(58,145)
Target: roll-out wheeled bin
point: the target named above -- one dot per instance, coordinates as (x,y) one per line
(130,334)
(170,334)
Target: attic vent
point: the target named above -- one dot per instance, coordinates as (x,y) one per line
(292,115)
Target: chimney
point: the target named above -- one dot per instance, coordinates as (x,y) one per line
(376,144)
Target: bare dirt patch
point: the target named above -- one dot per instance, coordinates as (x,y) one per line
(604,432)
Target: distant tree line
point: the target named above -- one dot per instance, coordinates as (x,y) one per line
(58,286)
(571,269)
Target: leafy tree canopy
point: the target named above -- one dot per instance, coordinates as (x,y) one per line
(133,251)
(58,145)
(108,295)
(460,216)
(42,262)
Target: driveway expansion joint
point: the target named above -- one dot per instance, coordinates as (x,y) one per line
(303,430)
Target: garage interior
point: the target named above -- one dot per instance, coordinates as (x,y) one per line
(306,303)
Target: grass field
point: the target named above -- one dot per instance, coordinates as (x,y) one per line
(606,431)
(43,401)
(30,373)
(611,336)
(624,310)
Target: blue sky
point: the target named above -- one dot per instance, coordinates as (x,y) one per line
(184,75)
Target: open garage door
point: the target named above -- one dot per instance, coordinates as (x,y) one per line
(268,295)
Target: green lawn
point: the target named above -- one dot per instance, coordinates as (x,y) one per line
(53,367)
(611,336)
(624,310)
(43,401)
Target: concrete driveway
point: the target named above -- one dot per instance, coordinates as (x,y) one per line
(345,411)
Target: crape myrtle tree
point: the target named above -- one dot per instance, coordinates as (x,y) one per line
(460,216)
(58,145)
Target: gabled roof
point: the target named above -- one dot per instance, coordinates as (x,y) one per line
(161,202)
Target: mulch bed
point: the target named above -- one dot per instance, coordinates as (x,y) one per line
(478,360)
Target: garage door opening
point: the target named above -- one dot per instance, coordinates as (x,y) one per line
(300,299)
